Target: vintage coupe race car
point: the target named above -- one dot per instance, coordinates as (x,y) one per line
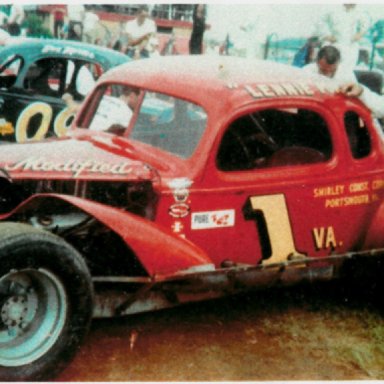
(251,175)
(36,73)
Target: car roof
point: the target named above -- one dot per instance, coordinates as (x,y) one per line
(209,79)
(32,48)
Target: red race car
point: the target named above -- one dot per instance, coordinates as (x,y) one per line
(183,179)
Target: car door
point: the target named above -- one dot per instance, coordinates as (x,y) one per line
(281,189)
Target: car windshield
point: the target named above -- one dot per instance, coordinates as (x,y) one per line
(9,70)
(5,62)
(165,122)
(169,123)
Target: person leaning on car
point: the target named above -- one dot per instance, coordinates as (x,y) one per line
(328,64)
(372,100)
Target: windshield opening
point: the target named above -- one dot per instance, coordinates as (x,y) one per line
(162,121)
(9,70)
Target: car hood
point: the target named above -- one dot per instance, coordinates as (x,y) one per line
(72,159)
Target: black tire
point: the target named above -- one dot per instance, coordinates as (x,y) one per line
(46,303)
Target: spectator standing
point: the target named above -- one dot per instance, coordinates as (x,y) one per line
(198,28)
(58,22)
(139,31)
(76,13)
(16,17)
(91,21)
(344,28)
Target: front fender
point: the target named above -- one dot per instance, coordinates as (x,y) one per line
(160,251)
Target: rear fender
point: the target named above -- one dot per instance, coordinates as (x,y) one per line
(160,251)
(374,237)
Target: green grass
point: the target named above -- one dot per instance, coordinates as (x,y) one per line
(344,330)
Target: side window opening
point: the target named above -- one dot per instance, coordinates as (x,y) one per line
(46,77)
(358,135)
(80,78)
(54,77)
(275,138)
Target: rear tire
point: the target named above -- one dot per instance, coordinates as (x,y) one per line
(46,303)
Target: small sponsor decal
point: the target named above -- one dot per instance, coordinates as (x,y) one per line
(180,188)
(65,50)
(6,127)
(177,227)
(213,219)
(346,195)
(179,210)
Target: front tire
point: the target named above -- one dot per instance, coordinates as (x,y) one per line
(45,303)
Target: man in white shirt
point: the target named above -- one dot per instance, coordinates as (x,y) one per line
(139,31)
(372,100)
(344,27)
(76,13)
(90,24)
(114,113)
(328,63)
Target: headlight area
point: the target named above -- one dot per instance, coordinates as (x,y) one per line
(137,197)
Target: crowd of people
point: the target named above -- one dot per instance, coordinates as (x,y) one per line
(343,28)
(331,50)
(137,37)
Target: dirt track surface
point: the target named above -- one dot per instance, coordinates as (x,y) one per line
(303,333)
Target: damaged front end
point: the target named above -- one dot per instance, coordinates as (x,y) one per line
(84,172)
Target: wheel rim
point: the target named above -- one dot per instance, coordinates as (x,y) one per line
(33,308)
